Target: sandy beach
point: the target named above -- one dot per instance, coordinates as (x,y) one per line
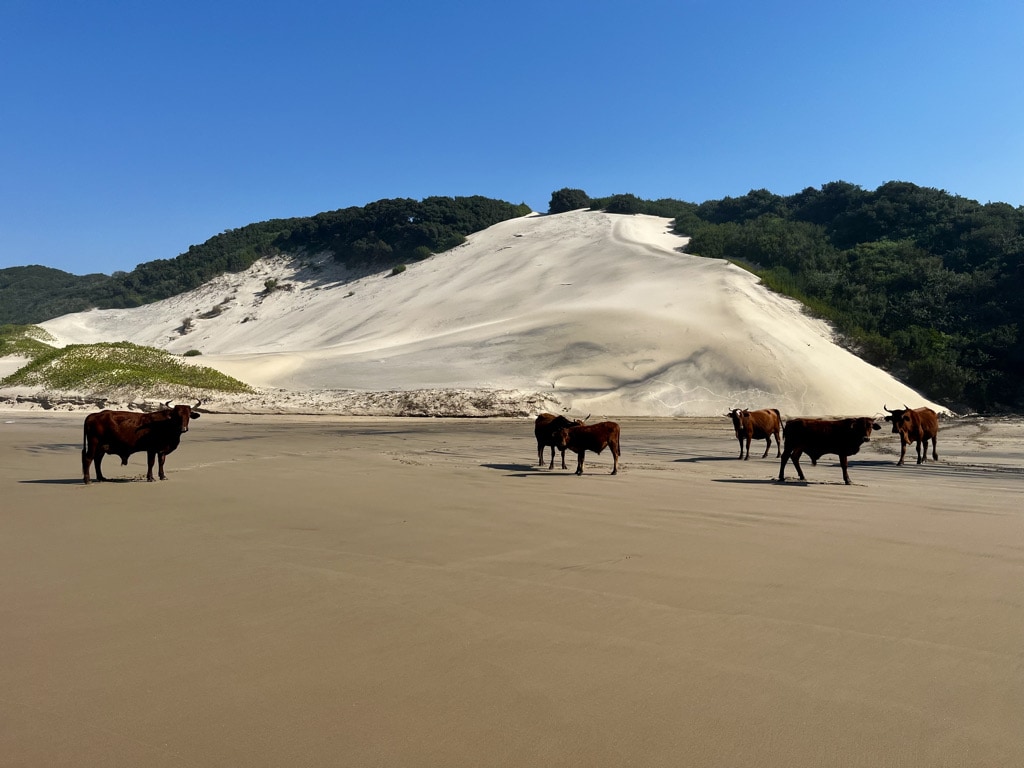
(416,592)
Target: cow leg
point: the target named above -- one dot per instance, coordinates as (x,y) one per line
(786,456)
(162,459)
(843,460)
(97,461)
(553,458)
(921,454)
(540,455)
(579,463)
(150,458)
(86,462)
(747,456)
(615,457)
(903,451)
(935,451)
(740,441)
(778,446)
(796,463)
(767,446)
(782,467)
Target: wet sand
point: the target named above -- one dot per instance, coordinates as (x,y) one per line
(416,592)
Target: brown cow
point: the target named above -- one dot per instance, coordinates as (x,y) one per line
(917,425)
(123,433)
(757,425)
(816,437)
(593,437)
(544,429)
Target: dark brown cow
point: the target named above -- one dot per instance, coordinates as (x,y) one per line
(757,425)
(915,425)
(592,437)
(816,437)
(544,429)
(123,433)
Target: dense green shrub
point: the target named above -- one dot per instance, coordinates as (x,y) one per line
(919,282)
(120,365)
(566,199)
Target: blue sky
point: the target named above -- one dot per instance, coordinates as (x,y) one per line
(132,130)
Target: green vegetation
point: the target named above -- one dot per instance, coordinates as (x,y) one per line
(567,199)
(118,365)
(399,269)
(916,281)
(25,340)
(381,234)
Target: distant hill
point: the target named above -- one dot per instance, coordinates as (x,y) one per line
(382,234)
(917,281)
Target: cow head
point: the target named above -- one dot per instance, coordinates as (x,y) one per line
(737,415)
(185,413)
(900,418)
(863,426)
(560,437)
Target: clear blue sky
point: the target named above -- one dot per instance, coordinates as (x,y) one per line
(132,130)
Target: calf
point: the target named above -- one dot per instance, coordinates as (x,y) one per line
(594,437)
(917,425)
(545,428)
(757,425)
(816,437)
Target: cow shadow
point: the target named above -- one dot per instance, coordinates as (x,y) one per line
(53,481)
(704,459)
(53,447)
(530,470)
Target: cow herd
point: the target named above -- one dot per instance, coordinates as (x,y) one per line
(123,433)
(814,437)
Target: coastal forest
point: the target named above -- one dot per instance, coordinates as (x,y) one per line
(383,234)
(917,281)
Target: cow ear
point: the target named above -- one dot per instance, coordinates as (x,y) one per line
(195,415)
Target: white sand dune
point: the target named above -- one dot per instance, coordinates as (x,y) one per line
(587,311)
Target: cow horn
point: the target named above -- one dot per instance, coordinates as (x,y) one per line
(886,408)
(198,403)
(588,416)
(168,404)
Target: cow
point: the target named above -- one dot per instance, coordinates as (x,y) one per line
(816,437)
(915,425)
(757,425)
(544,429)
(590,437)
(123,433)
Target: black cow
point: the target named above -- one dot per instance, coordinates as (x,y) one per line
(816,437)
(593,437)
(123,433)
(544,429)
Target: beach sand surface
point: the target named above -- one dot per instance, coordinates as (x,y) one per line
(330,591)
